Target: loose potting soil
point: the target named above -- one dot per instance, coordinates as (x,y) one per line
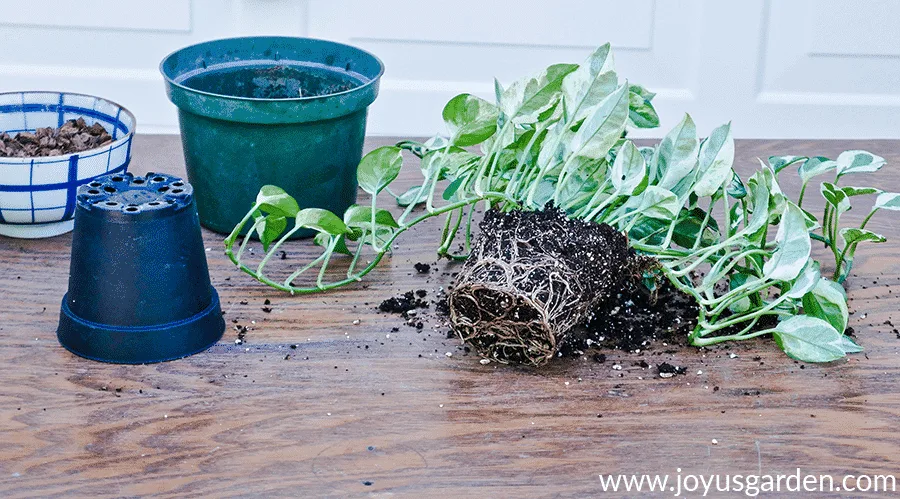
(532,278)
(73,136)
(274,82)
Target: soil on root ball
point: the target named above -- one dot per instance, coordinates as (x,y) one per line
(73,136)
(635,318)
(532,277)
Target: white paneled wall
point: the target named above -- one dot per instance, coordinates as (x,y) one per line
(777,68)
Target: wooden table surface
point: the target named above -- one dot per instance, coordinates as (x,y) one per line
(358,410)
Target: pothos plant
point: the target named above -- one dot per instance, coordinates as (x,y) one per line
(560,137)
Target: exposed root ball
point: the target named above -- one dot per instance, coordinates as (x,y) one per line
(530,278)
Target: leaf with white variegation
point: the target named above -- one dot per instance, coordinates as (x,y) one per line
(827,301)
(379,168)
(806,281)
(656,202)
(814,167)
(275,201)
(858,162)
(471,119)
(628,170)
(715,160)
(736,188)
(809,339)
(641,113)
(588,85)
(759,197)
(852,235)
(322,221)
(835,197)
(888,201)
(849,345)
(361,217)
(851,191)
(602,127)
(779,163)
(677,154)
(793,246)
(524,100)
(414,195)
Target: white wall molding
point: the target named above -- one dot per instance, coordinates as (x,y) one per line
(804,68)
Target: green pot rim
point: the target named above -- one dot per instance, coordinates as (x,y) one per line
(271,111)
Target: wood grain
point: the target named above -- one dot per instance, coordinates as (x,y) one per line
(359,410)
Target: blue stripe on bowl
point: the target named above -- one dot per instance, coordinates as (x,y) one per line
(120,124)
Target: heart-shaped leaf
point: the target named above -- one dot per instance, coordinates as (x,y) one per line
(323,239)
(851,191)
(656,202)
(361,216)
(827,301)
(888,201)
(322,221)
(592,82)
(413,195)
(854,235)
(835,197)
(715,160)
(816,166)
(677,154)
(629,170)
(778,163)
(858,162)
(269,227)
(602,127)
(793,246)
(809,339)
(274,200)
(641,113)
(379,168)
(524,100)
(471,119)
(736,187)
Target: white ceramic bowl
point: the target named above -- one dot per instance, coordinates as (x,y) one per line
(37,195)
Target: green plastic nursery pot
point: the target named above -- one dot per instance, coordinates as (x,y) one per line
(265,110)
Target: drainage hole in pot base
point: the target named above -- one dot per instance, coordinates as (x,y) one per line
(130,195)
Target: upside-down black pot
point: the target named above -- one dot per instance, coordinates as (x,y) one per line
(139,288)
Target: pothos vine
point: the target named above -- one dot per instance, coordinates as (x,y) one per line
(560,137)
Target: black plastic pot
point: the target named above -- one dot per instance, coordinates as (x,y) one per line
(139,288)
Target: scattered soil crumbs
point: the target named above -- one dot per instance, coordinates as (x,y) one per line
(241,334)
(405,303)
(422,268)
(666,370)
(74,136)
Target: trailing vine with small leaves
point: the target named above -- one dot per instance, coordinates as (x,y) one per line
(560,137)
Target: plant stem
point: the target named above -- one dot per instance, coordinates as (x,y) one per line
(275,247)
(802,192)
(868,217)
(359,247)
(707,341)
